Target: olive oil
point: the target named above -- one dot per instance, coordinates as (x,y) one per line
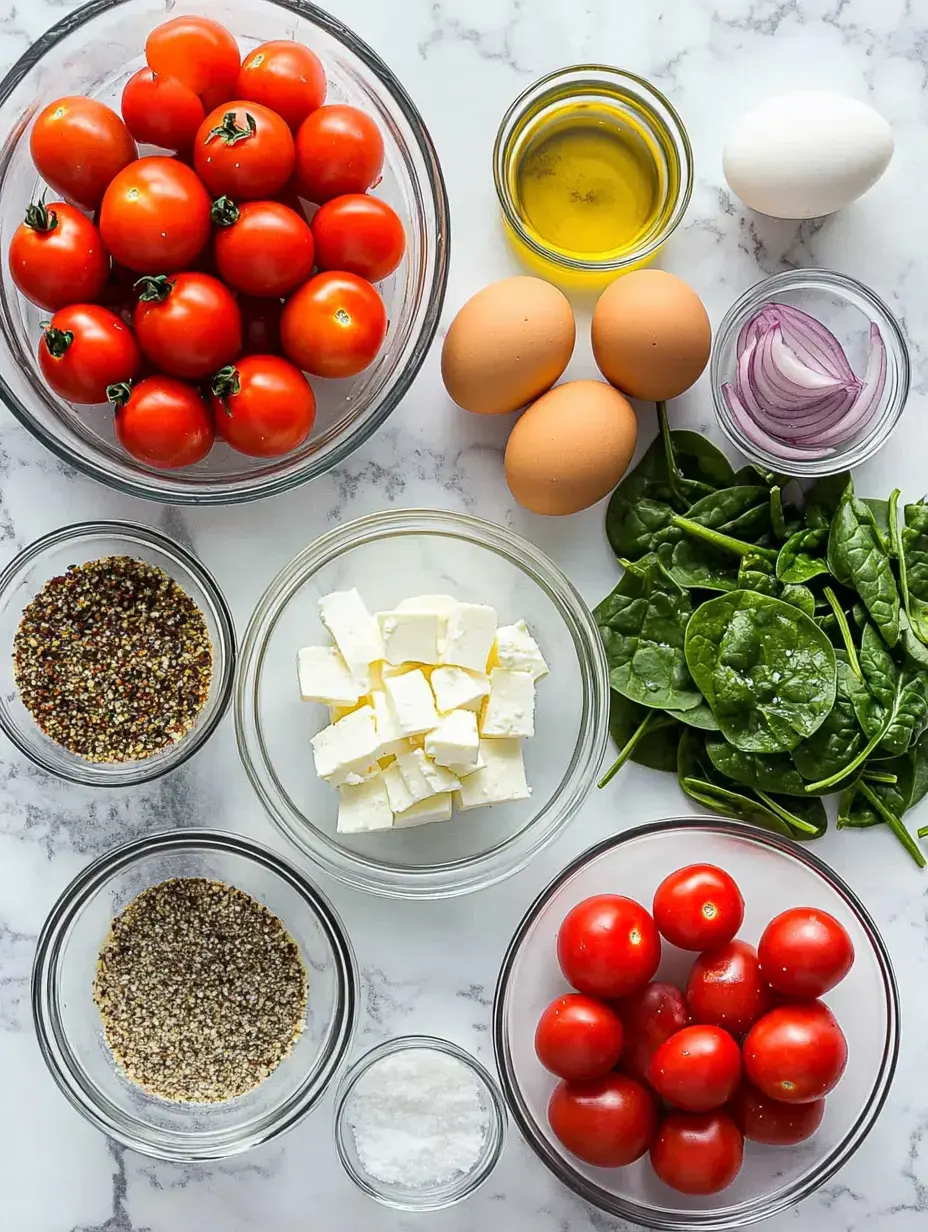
(587,181)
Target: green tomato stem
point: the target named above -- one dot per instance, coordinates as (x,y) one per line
(724,542)
(900,831)
(626,752)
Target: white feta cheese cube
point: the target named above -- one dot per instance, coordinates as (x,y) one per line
(454,742)
(469,639)
(354,631)
(324,676)
(516,649)
(391,739)
(364,808)
(439,778)
(422,777)
(339,712)
(428,603)
(501,779)
(412,702)
(435,808)
(348,746)
(510,708)
(410,637)
(401,798)
(464,771)
(456,688)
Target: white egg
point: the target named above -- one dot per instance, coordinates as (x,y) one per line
(807,153)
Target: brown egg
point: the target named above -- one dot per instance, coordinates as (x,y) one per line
(507,345)
(651,335)
(571,447)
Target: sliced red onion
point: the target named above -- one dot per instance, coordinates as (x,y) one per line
(795,387)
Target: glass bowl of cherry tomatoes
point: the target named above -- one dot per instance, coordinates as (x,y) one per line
(678,1025)
(224,245)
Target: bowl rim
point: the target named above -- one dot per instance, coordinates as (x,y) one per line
(847,288)
(747,1212)
(496,1131)
(53,1042)
(233,493)
(454,877)
(136,772)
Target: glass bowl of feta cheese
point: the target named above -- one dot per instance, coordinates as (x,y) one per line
(421,702)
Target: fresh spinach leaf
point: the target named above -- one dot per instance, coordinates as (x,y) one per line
(871,798)
(696,566)
(770,772)
(643,626)
(764,667)
(700,717)
(878,667)
(857,557)
(801,556)
(838,740)
(799,596)
(910,546)
(824,497)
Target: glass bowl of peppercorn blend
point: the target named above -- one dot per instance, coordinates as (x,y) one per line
(193,995)
(121,653)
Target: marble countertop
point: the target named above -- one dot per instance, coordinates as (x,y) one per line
(463,61)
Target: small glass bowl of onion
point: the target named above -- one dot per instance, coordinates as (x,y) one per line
(809,373)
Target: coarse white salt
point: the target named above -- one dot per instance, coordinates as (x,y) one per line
(419,1118)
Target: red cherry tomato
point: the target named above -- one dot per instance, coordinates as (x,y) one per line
(244,151)
(262,247)
(767,1120)
(285,76)
(726,988)
(163,422)
(85,349)
(608,946)
(78,145)
(188,325)
(698,907)
(609,1122)
(161,111)
(339,150)
(57,257)
(155,216)
(805,952)
(796,1053)
(360,234)
(650,1016)
(697,1069)
(196,51)
(697,1152)
(260,325)
(263,406)
(578,1037)
(334,325)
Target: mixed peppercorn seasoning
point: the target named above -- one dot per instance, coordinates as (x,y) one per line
(113,660)
(201,989)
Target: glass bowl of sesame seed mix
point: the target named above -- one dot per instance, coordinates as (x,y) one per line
(431,553)
(193,995)
(419,1123)
(121,653)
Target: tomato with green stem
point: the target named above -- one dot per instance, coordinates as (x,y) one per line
(262,248)
(339,150)
(84,350)
(262,406)
(360,234)
(196,51)
(155,216)
(160,110)
(162,421)
(244,151)
(334,325)
(78,145)
(57,257)
(188,325)
(286,76)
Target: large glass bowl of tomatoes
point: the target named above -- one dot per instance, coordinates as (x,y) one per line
(679,1030)
(224,245)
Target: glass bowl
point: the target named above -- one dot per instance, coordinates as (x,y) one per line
(774,874)
(617,99)
(847,308)
(389,556)
(420,1198)
(94,50)
(70,1031)
(49,557)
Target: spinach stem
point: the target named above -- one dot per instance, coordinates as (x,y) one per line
(834,779)
(776,514)
(923,832)
(794,822)
(845,632)
(674,474)
(880,776)
(725,542)
(901,833)
(626,752)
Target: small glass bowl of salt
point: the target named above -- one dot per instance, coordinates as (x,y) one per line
(419,1123)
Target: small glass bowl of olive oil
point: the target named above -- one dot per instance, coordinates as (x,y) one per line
(593,170)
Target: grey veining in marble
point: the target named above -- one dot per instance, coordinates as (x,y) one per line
(464,61)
